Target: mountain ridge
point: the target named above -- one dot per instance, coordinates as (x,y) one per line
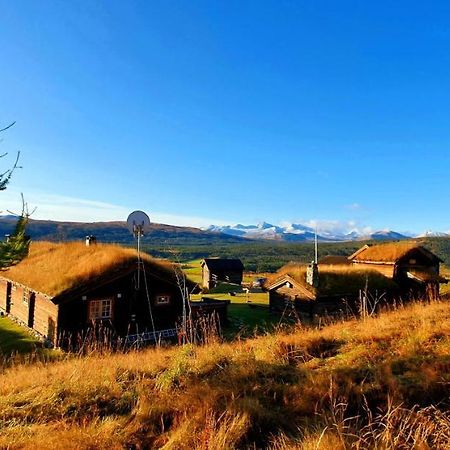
(297,232)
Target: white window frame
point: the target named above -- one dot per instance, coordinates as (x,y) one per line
(100,309)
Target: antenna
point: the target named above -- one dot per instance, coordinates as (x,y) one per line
(138,222)
(316,250)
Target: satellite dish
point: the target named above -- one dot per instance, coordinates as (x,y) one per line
(138,223)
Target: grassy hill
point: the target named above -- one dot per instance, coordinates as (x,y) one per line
(379,383)
(116,232)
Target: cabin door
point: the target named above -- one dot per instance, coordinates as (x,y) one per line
(31,309)
(8,297)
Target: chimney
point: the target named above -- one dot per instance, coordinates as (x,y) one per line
(312,274)
(90,240)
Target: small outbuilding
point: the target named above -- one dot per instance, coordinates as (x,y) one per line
(217,270)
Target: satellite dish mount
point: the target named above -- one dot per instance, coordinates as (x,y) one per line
(138,223)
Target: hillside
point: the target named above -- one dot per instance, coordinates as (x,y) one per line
(269,256)
(115,232)
(379,383)
(192,243)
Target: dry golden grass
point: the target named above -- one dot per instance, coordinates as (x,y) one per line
(388,252)
(379,383)
(53,268)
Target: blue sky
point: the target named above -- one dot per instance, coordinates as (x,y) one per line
(224,112)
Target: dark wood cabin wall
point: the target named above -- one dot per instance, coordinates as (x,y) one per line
(74,318)
(220,310)
(229,276)
(278,300)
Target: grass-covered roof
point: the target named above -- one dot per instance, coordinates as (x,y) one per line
(336,280)
(388,253)
(53,268)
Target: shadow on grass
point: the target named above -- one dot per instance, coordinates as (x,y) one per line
(14,339)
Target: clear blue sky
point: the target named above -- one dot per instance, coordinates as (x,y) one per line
(202,112)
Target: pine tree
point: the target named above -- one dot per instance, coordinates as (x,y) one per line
(16,247)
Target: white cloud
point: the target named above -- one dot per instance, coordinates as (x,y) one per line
(336,227)
(353,206)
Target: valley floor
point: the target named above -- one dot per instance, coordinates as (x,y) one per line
(379,383)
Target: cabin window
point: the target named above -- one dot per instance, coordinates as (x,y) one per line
(162,299)
(26,296)
(413,261)
(100,309)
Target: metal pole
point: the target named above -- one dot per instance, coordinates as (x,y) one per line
(315,247)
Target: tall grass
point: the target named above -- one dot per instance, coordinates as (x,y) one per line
(379,383)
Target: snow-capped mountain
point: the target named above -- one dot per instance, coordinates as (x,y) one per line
(297,232)
(385,235)
(431,233)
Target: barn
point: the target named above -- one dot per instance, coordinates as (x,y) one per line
(61,290)
(216,270)
(324,289)
(413,267)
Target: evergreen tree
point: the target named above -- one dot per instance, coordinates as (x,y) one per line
(14,249)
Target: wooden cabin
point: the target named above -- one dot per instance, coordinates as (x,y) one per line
(62,290)
(217,270)
(318,290)
(413,267)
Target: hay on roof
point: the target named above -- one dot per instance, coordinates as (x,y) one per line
(389,253)
(335,280)
(53,268)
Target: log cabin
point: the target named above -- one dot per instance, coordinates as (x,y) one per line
(62,290)
(318,290)
(414,268)
(216,270)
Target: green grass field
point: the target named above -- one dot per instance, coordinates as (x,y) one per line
(15,339)
(248,313)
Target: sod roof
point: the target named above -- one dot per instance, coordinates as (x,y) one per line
(336,280)
(54,269)
(388,253)
(334,260)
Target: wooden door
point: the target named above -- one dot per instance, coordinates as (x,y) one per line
(8,297)
(31,305)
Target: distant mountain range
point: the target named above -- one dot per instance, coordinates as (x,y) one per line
(117,232)
(167,235)
(297,232)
